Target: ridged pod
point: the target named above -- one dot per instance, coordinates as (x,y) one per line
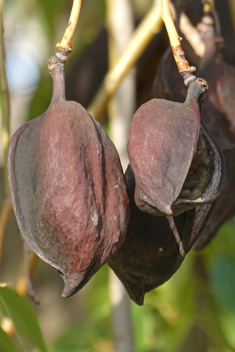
(217,114)
(150,254)
(68,189)
(172,156)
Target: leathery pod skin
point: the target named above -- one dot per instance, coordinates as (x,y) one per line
(68,189)
(155,246)
(175,163)
(217,114)
(150,254)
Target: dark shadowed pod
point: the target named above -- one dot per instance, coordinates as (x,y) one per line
(154,247)
(218,114)
(67,188)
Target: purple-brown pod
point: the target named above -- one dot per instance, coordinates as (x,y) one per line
(175,163)
(155,246)
(168,85)
(67,188)
(150,254)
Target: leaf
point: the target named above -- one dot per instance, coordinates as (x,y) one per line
(23,317)
(6,344)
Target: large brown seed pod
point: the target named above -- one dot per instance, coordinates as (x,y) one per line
(150,254)
(155,246)
(175,163)
(68,189)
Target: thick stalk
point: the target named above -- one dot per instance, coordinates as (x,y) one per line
(120,25)
(148,28)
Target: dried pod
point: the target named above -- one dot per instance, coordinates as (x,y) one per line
(68,189)
(150,254)
(224,206)
(217,116)
(220,75)
(175,163)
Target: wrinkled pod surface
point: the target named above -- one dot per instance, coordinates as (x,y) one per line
(175,162)
(176,170)
(217,115)
(67,188)
(150,254)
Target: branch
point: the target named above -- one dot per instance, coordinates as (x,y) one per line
(65,44)
(182,63)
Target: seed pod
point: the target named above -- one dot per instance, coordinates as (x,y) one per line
(150,254)
(217,115)
(221,78)
(68,189)
(175,163)
(224,206)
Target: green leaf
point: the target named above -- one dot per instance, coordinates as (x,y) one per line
(23,317)
(6,344)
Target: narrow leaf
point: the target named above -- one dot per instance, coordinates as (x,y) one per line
(6,344)
(23,317)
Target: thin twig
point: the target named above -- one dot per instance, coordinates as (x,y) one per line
(176,235)
(148,28)
(182,63)
(5,130)
(65,43)
(6,211)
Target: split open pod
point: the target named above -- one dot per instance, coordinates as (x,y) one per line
(67,188)
(175,162)
(217,114)
(176,171)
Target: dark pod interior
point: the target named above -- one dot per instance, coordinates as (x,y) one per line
(150,254)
